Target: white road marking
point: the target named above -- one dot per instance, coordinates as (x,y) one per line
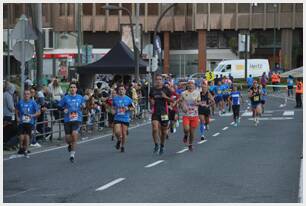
(181,151)
(232,123)
(247,114)
(273,118)
(104,187)
(269,111)
(300,197)
(18,193)
(288,113)
(225,128)
(154,163)
(201,142)
(14,156)
(266,115)
(226,114)
(216,134)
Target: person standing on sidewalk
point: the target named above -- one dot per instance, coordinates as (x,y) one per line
(298,93)
(26,112)
(72,105)
(290,85)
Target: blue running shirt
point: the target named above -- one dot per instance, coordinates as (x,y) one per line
(235,98)
(26,109)
(74,105)
(121,107)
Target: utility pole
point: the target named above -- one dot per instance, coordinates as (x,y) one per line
(137,42)
(39,43)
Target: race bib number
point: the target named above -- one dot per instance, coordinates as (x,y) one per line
(73,116)
(26,119)
(256,98)
(192,110)
(121,111)
(219,91)
(164,117)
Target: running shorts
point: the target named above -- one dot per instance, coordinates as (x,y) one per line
(191,121)
(69,127)
(163,123)
(121,122)
(25,129)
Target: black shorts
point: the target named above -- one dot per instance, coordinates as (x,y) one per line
(204,111)
(172,115)
(120,122)
(157,117)
(290,87)
(110,118)
(25,129)
(71,126)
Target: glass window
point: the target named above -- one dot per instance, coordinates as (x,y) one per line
(115,11)
(5,11)
(259,8)
(202,8)
(215,8)
(212,39)
(286,7)
(50,38)
(229,8)
(271,8)
(128,7)
(243,8)
(153,9)
(87,9)
(99,9)
(142,9)
(179,9)
(299,7)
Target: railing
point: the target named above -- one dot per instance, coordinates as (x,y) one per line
(98,120)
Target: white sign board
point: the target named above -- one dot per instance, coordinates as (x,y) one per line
(241,43)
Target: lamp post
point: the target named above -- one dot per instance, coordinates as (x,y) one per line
(136,56)
(274,35)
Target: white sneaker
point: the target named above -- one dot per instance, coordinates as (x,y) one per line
(32,145)
(174,130)
(37,145)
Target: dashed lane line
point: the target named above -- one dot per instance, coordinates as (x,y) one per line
(182,151)
(225,128)
(104,187)
(154,163)
(216,134)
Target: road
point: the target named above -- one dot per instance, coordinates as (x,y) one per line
(246,164)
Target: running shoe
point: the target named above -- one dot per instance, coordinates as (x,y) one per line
(236,124)
(26,155)
(161,151)
(190,148)
(185,139)
(122,149)
(203,137)
(118,145)
(155,149)
(71,159)
(20,151)
(69,148)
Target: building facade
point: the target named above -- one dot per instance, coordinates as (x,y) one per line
(194,37)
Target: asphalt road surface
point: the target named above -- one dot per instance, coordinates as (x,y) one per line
(236,164)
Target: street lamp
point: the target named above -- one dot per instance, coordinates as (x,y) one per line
(112,7)
(274,35)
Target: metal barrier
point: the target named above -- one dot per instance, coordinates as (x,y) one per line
(100,121)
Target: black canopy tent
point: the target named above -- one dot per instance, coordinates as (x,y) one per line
(119,60)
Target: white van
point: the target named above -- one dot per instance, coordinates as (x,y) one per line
(236,68)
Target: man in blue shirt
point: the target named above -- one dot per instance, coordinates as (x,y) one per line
(26,112)
(219,97)
(122,105)
(250,81)
(235,97)
(290,85)
(72,105)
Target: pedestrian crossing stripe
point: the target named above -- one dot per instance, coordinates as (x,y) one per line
(247,114)
(288,113)
(273,118)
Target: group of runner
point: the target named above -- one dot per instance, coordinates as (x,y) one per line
(167,104)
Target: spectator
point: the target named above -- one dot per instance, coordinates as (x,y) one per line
(298,93)
(56,93)
(274,79)
(231,77)
(264,79)
(8,103)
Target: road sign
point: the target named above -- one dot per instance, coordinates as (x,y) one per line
(20,32)
(28,48)
(210,76)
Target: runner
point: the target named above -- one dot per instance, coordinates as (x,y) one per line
(219,98)
(122,105)
(159,97)
(109,103)
(226,94)
(255,94)
(26,112)
(212,89)
(173,111)
(72,105)
(234,98)
(207,101)
(263,97)
(189,102)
